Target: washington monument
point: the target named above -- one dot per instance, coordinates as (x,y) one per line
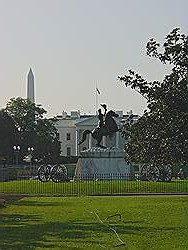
(30,86)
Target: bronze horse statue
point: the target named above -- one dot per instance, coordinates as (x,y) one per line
(109,128)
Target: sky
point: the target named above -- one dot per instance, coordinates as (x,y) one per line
(73,46)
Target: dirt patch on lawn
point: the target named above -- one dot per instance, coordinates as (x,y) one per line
(12,197)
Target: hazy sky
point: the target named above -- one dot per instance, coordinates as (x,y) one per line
(72,45)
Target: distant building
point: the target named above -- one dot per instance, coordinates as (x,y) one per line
(30,86)
(70,128)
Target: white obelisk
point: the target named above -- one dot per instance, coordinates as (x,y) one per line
(30,86)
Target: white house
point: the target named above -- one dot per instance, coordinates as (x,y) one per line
(70,129)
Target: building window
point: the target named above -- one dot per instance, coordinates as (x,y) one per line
(68,151)
(68,136)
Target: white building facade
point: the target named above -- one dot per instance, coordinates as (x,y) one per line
(70,129)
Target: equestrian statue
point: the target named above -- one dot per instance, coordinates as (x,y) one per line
(107,126)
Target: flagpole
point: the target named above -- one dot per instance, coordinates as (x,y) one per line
(96,99)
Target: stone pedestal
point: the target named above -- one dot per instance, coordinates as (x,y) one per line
(108,163)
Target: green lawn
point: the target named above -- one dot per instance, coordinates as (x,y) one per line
(35,187)
(154,222)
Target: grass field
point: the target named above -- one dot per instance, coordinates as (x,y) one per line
(35,187)
(159,222)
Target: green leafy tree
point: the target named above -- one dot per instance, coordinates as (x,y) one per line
(35,131)
(8,137)
(161,135)
(47,141)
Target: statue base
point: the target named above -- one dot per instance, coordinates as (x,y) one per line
(99,163)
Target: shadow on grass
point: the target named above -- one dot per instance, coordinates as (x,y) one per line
(20,235)
(20,231)
(25,202)
(35,203)
(13,219)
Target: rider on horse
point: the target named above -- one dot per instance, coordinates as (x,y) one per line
(101,116)
(107,126)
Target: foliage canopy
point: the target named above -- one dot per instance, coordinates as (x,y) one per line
(8,136)
(34,131)
(161,135)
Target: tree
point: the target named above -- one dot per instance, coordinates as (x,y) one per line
(8,136)
(161,135)
(35,131)
(47,141)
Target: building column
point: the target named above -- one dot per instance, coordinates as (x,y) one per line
(77,137)
(90,141)
(117,139)
(104,141)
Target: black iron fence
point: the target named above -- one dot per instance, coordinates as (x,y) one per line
(18,172)
(26,181)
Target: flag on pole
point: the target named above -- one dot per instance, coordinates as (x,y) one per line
(98,91)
